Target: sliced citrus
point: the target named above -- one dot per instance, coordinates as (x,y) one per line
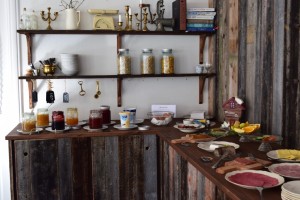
(238,130)
(236,124)
(256,125)
(249,129)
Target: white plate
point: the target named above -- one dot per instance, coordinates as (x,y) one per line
(131,126)
(93,129)
(288,167)
(58,131)
(279,178)
(189,130)
(206,145)
(273,155)
(291,188)
(37,130)
(111,123)
(138,121)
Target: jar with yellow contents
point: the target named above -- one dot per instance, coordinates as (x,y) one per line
(167,62)
(28,122)
(42,117)
(72,117)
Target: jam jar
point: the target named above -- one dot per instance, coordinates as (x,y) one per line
(124,62)
(147,62)
(42,117)
(72,117)
(167,62)
(95,119)
(28,122)
(106,115)
(58,120)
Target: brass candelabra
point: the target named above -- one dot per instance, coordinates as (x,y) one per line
(128,19)
(143,18)
(48,18)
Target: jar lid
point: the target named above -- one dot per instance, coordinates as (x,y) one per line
(167,50)
(147,50)
(122,50)
(104,107)
(42,109)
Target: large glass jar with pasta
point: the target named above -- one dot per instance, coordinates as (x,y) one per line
(124,62)
(147,62)
(167,62)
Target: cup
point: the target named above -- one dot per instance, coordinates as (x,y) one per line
(124,119)
(132,111)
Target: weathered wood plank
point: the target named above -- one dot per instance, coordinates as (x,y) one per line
(164,170)
(44,174)
(82,168)
(65,170)
(192,182)
(23,176)
(150,167)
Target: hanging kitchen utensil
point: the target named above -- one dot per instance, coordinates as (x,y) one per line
(34,92)
(50,97)
(98,93)
(81,92)
(65,94)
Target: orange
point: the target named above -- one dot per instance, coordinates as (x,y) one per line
(249,129)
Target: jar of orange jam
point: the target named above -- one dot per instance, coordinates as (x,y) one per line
(28,122)
(72,117)
(42,117)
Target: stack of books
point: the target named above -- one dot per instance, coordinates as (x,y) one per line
(200,19)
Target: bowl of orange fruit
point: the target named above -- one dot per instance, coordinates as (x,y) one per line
(244,129)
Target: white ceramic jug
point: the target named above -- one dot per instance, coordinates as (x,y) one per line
(72,19)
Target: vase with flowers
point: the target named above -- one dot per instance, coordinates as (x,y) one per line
(72,14)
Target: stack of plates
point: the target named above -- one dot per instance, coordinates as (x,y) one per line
(290,190)
(69,64)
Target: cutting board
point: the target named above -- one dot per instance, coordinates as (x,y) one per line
(259,164)
(193,138)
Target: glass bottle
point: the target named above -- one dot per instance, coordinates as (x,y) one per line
(58,120)
(124,62)
(95,119)
(147,62)
(33,21)
(42,117)
(106,115)
(167,62)
(72,117)
(28,122)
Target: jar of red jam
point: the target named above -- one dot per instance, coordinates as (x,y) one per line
(95,119)
(105,114)
(58,120)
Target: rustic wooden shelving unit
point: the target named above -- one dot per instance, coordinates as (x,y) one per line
(202,77)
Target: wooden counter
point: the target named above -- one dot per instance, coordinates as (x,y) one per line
(115,164)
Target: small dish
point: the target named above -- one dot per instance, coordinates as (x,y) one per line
(58,131)
(144,128)
(207,146)
(190,128)
(288,170)
(37,130)
(93,129)
(131,126)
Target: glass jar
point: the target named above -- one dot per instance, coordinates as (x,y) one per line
(147,62)
(95,119)
(124,62)
(28,122)
(167,62)
(58,120)
(72,117)
(42,117)
(106,116)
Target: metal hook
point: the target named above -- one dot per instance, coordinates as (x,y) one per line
(82,92)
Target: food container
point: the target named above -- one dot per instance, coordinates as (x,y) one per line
(106,115)
(58,120)
(28,122)
(124,62)
(95,119)
(160,118)
(72,117)
(42,117)
(167,62)
(147,62)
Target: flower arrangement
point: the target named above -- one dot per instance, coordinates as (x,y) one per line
(73,4)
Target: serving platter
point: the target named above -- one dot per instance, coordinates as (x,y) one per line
(288,170)
(37,130)
(251,179)
(207,145)
(273,155)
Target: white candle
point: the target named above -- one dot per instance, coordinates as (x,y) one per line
(129,11)
(120,18)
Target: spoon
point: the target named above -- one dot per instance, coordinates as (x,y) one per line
(98,93)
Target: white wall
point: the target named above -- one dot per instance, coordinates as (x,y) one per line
(98,56)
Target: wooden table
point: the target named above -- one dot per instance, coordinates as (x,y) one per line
(115,164)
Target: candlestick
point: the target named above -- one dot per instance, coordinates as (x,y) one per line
(120,18)
(129,11)
(120,24)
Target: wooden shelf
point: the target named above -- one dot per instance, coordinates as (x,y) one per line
(119,34)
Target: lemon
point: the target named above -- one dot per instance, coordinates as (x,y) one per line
(236,124)
(238,130)
(242,125)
